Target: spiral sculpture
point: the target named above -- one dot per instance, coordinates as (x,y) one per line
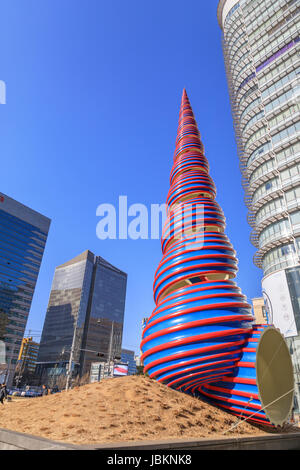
(198,336)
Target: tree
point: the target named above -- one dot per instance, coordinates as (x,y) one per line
(78,381)
(139,370)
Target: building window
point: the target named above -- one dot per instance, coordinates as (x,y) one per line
(258,152)
(293,280)
(293,194)
(278,258)
(295,218)
(288,152)
(288,132)
(268,185)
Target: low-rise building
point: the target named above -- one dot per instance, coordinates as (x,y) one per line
(259,310)
(128,356)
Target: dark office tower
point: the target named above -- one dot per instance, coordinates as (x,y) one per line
(86,310)
(23,235)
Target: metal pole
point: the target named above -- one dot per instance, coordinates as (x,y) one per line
(69,371)
(110,347)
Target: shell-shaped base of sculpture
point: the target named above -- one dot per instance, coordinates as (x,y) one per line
(261,388)
(196,335)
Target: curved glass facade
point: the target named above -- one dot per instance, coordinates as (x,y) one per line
(264,87)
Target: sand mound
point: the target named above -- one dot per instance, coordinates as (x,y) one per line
(120,409)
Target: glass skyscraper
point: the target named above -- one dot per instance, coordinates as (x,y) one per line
(23,235)
(261,51)
(86,309)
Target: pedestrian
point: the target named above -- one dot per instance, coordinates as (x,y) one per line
(45,390)
(3,393)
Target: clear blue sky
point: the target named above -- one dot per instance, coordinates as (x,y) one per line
(93,95)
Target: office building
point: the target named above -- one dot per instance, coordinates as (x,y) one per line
(85,314)
(262,61)
(23,235)
(259,310)
(128,357)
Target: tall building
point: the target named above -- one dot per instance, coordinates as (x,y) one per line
(262,61)
(85,313)
(23,235)
(128,356)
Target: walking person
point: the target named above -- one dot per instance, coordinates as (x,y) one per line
(45,390)
(3,393)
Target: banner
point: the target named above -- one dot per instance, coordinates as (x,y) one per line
(278,303)
(120,369)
